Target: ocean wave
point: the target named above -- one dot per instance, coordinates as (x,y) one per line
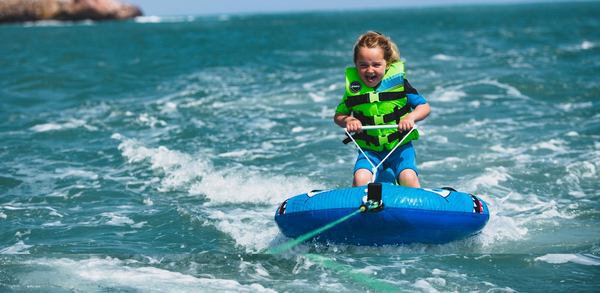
(570,107)
(442,57)
(116,219)
(491,177)
(18,248)
(163,19)
(88,274)
(453,93)
(561,258)
(555,145)
(198,176)
(58,23)
(449,162)
(584,45)
(76,173)
(58,126)
(250,228)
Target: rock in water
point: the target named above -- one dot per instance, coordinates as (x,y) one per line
(33,10)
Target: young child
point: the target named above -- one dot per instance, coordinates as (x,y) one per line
(377,93)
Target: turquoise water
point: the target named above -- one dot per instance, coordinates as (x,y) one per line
(150,155)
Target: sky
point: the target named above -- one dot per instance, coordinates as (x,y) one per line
(212,7)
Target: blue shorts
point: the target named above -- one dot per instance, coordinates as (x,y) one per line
(403,158)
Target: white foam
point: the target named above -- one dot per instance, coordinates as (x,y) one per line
(447,94)
(257,270)
(252,229)
(163,19)
(179,169)
(510,90)
(56,23)
(569,107)
(146,119)
(115,219)
(583,169)
(57,126)
(148,202)
(572,133)
(235,154)
(491,177)
(197,175)
(579,171)
(109,272)
(73,172)
(148,19)
(53,224)
(555,145)
(449,162)
(438,272)
(169,107)
(442,57)
(436,138)
(559,258)
(501,228)
(18,248)
(221,187)
(475,104)
(262,123)
(453,93)
(512,214)
(424,285)
(586,45)
(316,97)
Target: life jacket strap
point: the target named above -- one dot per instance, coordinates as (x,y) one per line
(382,119)
(352,101)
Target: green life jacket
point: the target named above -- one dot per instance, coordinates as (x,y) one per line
(385,105)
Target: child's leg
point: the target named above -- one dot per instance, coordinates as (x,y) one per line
(403,163)
(362,177)
(363,168)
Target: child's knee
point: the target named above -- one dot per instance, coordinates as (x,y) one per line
(408,177)
(362,177)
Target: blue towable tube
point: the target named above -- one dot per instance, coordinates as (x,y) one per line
(408,215)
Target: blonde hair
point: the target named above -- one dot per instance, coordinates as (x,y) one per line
(373,39)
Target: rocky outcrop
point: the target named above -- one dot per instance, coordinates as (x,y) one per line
(33,10)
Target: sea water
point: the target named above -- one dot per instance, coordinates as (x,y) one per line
(150,155)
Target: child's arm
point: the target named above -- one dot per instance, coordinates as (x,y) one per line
(419,113)
(419,105)
(346,121)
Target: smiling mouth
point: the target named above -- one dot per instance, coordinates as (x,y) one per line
(371,78)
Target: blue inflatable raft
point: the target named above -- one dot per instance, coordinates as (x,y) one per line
(406,215)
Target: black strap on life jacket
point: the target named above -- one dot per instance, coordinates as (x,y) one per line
(394,116)
(352,101)
(374,140)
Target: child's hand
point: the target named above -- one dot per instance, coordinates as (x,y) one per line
(353,125)
(406,124)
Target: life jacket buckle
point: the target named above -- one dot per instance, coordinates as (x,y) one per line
(373,97)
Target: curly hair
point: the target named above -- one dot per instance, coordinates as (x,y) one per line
(372,39)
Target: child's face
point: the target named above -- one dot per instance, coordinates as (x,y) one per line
(371,65)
